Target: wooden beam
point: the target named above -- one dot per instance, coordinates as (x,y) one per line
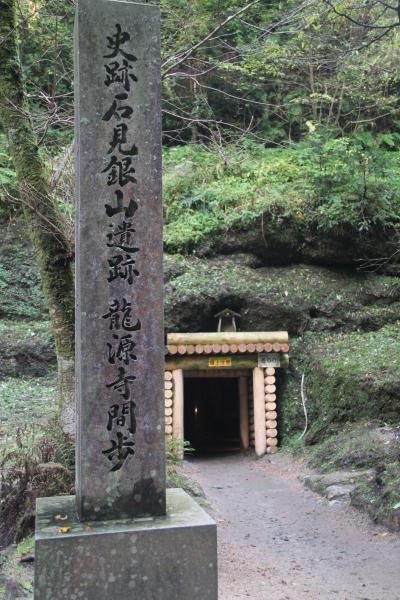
(228,337)
(214,373)
(194,363)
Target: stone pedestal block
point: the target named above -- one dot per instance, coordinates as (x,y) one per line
(160,558)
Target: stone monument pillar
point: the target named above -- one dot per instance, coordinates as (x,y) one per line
(123,535)
(119,300)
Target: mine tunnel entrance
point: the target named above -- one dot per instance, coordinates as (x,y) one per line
(212,414)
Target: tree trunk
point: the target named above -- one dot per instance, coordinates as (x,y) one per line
(44,223)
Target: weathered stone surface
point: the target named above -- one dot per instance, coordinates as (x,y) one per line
(339,493)
(285,244)
(119,336)
(336,486)
(298,297)
(163,558)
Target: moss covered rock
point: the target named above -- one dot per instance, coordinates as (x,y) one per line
(357,446)
(349,377)
(379,496)
(296,298)
(26,348)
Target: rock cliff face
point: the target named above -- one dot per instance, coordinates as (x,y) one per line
(344,327)
(278,242)
(297,298)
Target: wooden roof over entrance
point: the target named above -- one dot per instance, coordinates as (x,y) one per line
(226,350)
(227,343)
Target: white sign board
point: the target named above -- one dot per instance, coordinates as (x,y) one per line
(272,359)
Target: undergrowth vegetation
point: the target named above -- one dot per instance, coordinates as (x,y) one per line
(32,466)
(322,183)
(363,377)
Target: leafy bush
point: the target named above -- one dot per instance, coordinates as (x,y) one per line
(32,467)
(323,183)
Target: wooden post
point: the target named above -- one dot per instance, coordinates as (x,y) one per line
(177,423)
(259,412)
(244,413)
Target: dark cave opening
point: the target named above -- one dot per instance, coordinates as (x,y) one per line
(211,414)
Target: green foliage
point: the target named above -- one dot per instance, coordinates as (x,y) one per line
(7,176)
(349,377)
(20,286)
(26,401)
(46,34)
(294,69)
(174,450)
(324,183)
(175,478)
(380,495)
(27,546)
(31,467)
(8,182)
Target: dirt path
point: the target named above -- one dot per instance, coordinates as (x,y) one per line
(279,541)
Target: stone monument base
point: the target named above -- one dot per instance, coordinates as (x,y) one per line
(162,558)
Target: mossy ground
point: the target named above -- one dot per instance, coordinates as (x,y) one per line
(380,496)
(16,578)
(27,403)
(26,348)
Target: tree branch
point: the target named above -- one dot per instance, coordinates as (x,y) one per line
(187,53)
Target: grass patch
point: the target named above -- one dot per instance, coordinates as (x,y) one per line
(24,332)
(26,402)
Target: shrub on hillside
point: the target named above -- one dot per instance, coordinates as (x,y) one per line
(323,184)
(30,468)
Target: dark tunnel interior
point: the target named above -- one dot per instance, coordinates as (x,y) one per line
(211,415)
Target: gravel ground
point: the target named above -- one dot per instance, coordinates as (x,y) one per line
(279,541)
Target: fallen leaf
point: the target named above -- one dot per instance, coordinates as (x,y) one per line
(88,529)
(64,529)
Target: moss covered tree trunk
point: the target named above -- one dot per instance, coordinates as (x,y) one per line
(44,223)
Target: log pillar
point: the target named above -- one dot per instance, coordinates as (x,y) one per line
(271,414)
(178,407)
(259,412)
(244,413)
